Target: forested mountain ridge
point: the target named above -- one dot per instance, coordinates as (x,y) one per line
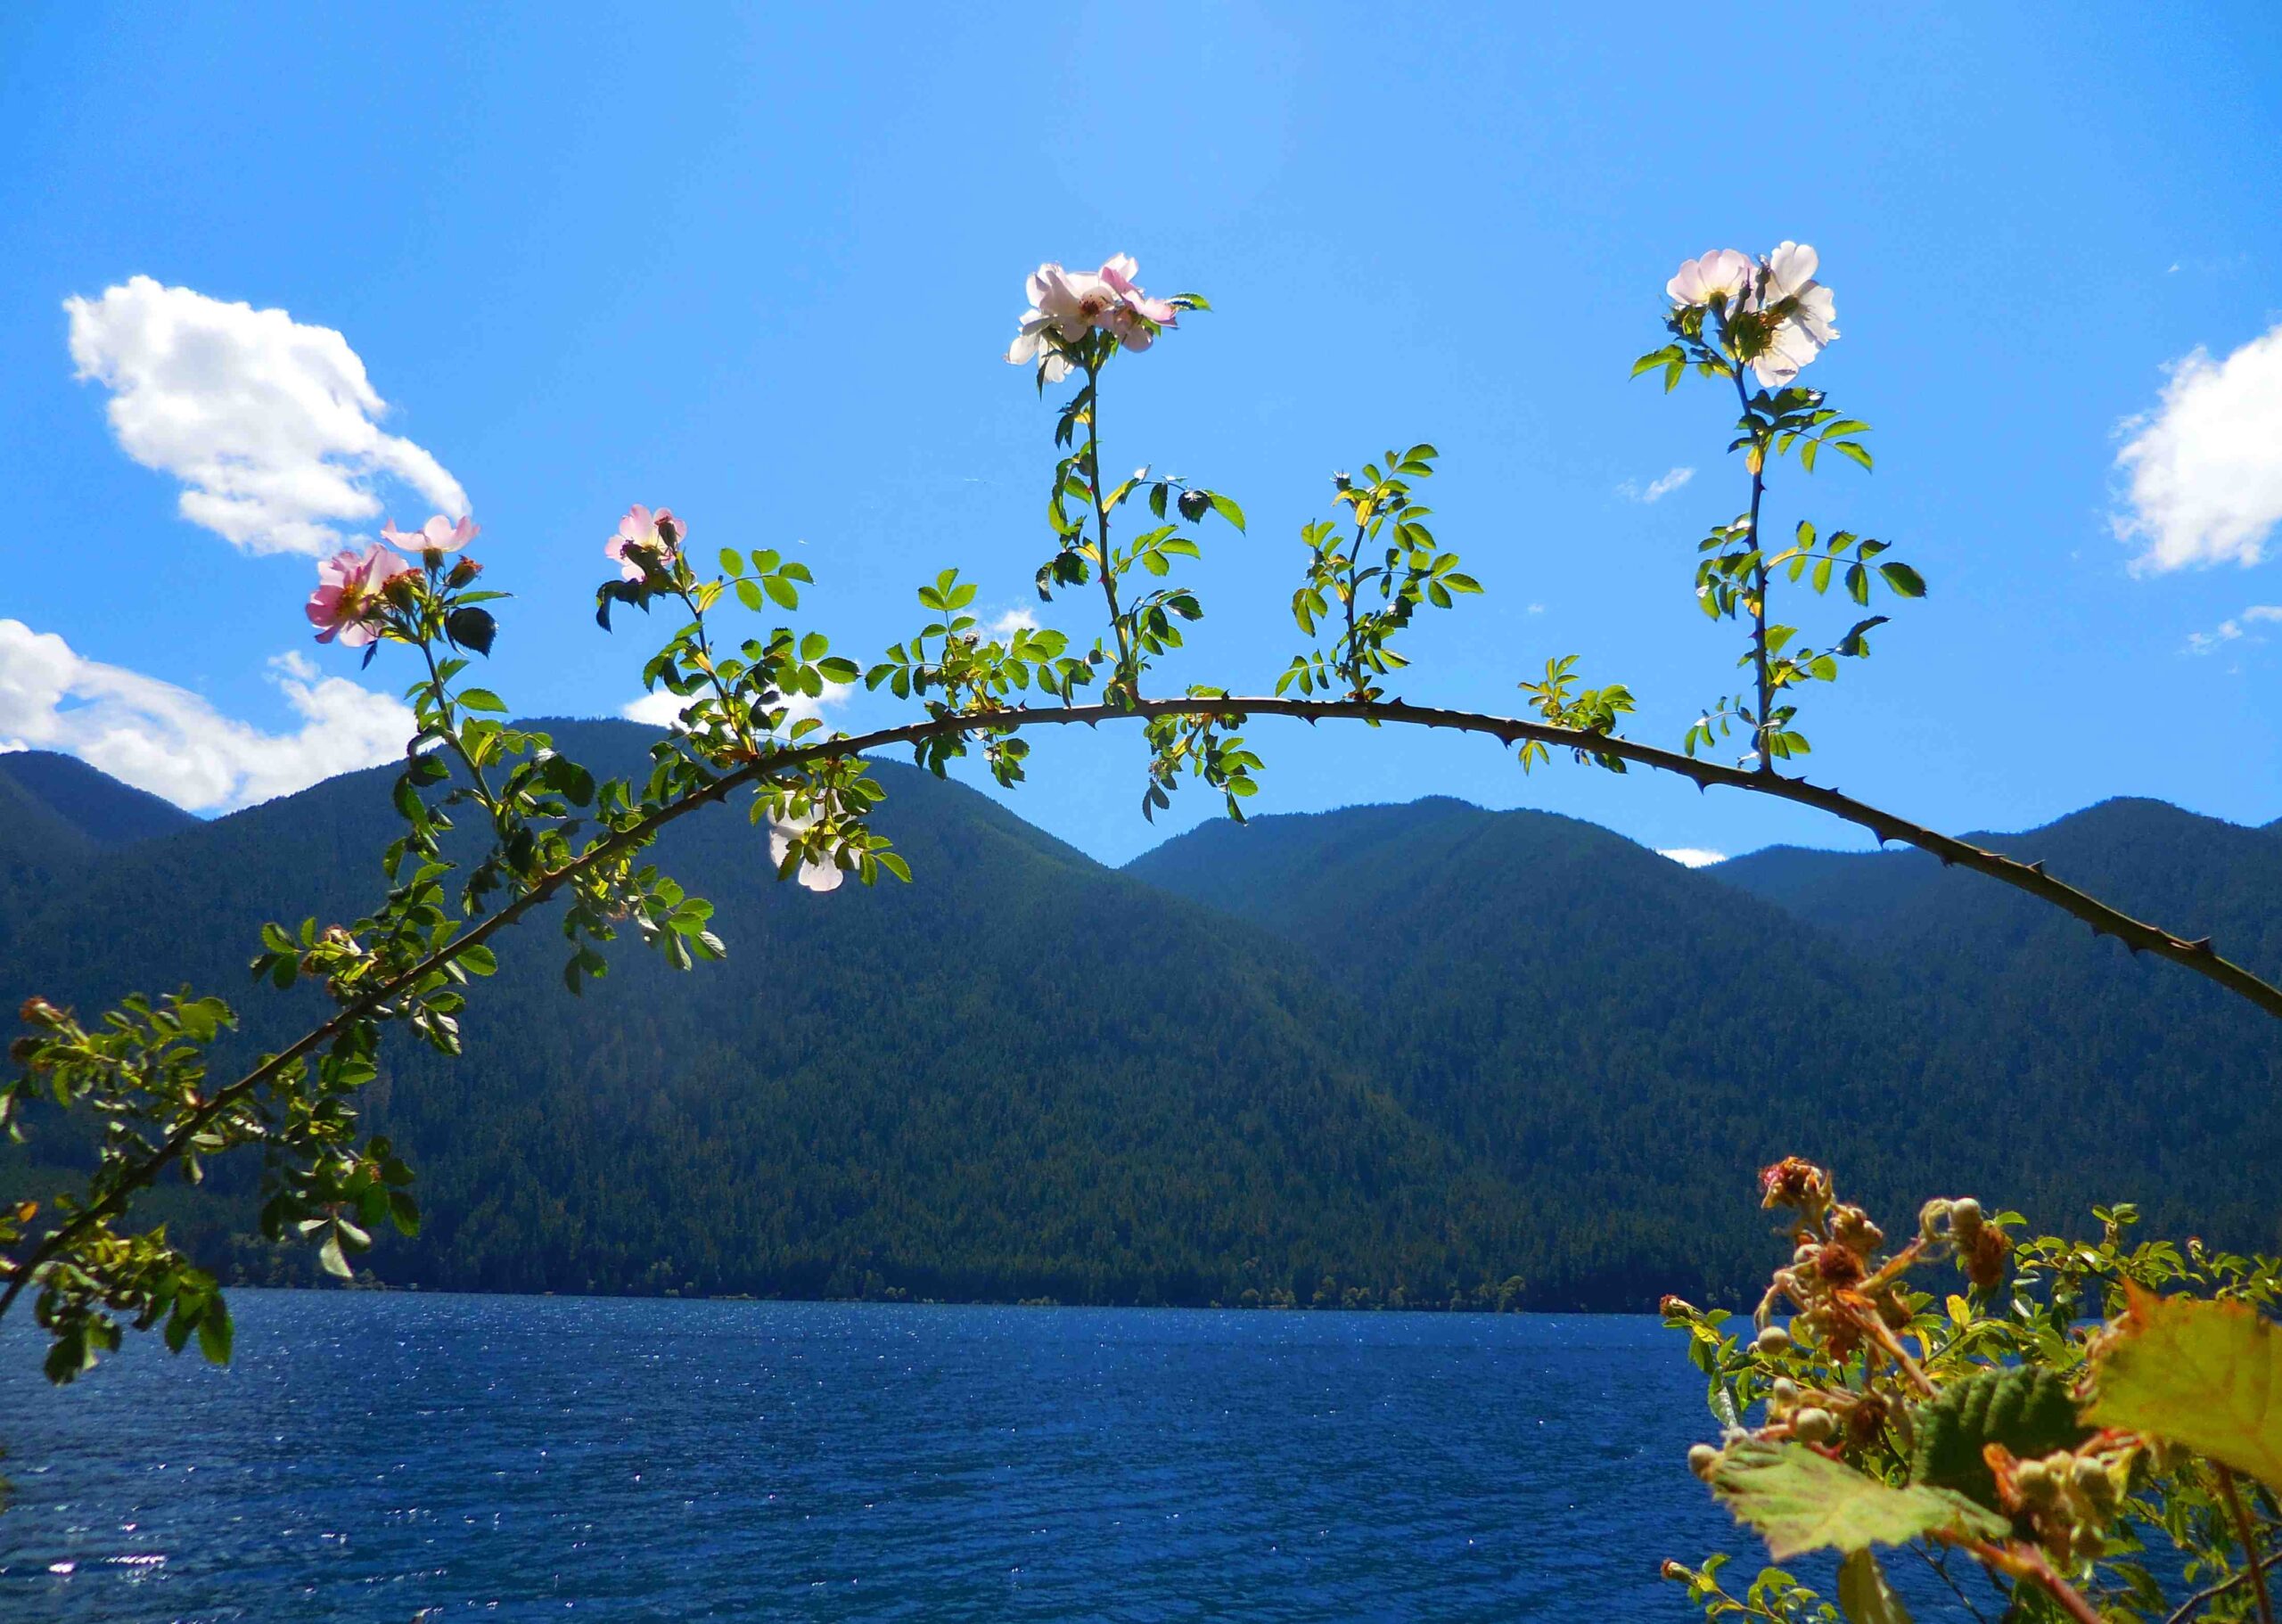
(1024,1076)
(1395,1053)
(1561,997)
(56,815)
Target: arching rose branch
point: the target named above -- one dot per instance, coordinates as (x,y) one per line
(555,834)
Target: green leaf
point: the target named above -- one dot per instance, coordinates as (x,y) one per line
(1847,448)
(781,590)
(329,1255)
(1905,581)
(2205,1374)
(1801,1501)
(215,1332)
(2027,1410)
(471,628)
(1864,1597)
(1227,508)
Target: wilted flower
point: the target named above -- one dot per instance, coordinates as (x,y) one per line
(438,535)
(813,874)
(1066,304)
(1722,273)
(348,600)
(643,537)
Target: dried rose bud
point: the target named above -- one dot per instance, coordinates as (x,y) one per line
(1675,1308)
(1852,1227)
(1794,1182)
(39,1011)
(463,572)
(1839,1265)
(1701,1459)
(25,1049)
(1983,1260)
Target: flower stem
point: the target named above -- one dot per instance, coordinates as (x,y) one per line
(2250,1544)
(1763,735)
(1128,681)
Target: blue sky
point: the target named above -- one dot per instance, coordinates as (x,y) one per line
(761,266)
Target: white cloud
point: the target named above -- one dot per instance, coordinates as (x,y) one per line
(1656,490)
(2203,471)
(2228,631)
(662,709)
(1694,857)
(1014,620)
(268,422)
(172,742)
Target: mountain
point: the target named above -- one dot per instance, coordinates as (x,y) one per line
(1566,1004)
(1393,1053)
(56,814)
(1024,1076)
(2032,1018)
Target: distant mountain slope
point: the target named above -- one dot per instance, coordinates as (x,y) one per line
(1415,1049)
(1562,1000)
(1023,1075)
(107,813)
(57,813)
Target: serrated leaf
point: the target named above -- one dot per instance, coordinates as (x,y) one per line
(1801,1501)
(2205,1374)
(1905,581)
(2028,1411)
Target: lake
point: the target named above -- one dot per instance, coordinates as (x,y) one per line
(373,1455)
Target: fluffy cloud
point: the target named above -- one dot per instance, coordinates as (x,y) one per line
(2203,473)
(2228,631)
(169,741)
(661,709)
(1694,857)
(269,422)
(1014,620)
(1656,490)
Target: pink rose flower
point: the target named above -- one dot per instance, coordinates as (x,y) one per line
(645,536)
(812,875)
(1136,318)
(1066,304)
(348,601)
(438,535)
(1808,317)
(1723,273)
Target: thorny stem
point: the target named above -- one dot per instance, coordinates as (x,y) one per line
(2138,935)
(2212,1593)
(705,658)
(1100,520)
(452,736)
(2250,1544)
(1758,456)
(2025,1561)
(1354,589)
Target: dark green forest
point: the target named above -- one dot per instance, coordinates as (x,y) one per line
(1422,1055)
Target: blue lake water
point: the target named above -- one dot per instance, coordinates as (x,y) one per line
(369,1457)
